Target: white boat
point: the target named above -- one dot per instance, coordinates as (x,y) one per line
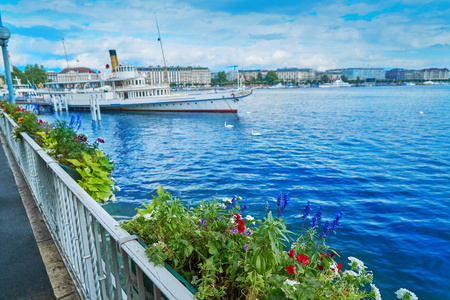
(337,83)
(130,90)
(278,86)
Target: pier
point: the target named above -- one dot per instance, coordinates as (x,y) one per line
(102,260)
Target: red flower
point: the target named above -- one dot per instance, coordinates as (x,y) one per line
(290,269)
(237,217)
(40,121)
(7,109)
(339,265)
(291,253)
(303,259)
(241,225)
(20,120)
(100,140)
(329,255)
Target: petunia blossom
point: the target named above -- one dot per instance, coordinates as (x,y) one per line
(290,269)
(302,259)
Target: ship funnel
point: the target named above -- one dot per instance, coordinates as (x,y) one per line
(114,61)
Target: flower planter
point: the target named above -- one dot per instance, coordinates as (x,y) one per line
(149,284)
(71,171)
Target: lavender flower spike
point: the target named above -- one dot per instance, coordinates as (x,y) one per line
(317,217)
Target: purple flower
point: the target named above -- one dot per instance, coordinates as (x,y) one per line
(249,233)
(325,229)
(306,210)
(244,206)
(245,247)
(203,222)
(232,203)
(282,202)
(234,230)
(318,216)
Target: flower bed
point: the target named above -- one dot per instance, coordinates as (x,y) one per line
(226,255)
(69,148)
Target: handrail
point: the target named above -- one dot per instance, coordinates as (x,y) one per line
(105,261)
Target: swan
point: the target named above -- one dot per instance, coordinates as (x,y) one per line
(255,133)
(228,126)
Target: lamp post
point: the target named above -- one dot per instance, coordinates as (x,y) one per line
(4,37)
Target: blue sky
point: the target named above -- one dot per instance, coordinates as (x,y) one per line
(263,34)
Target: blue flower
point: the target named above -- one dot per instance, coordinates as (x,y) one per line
(306,210)
(325,229)
(244,206)
(285,202)
(232,203)
(317,217)
(335,222)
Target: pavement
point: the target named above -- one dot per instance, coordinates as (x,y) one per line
(30,265)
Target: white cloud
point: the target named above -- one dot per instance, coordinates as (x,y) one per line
(195,36)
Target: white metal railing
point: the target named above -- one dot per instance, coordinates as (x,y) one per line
(104,260)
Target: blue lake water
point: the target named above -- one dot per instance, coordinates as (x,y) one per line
(381,154)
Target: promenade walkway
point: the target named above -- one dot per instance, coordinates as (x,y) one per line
(27,253)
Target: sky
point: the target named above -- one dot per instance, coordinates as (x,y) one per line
(263,34)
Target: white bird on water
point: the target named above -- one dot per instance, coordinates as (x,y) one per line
(228,126)
(255,133)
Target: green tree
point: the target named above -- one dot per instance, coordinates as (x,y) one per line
(222,78)
(344,79)
(325,79)
(36,74)
(259,77)
(16,73)
(272,77)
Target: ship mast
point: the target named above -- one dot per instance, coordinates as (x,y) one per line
(68,67)
(164,59)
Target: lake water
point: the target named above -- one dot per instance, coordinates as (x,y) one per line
(380,154)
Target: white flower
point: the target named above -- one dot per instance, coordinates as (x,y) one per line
(137,216)
(118,188)
(291,282)
(356,263)
(232,220)
(194,279)
(334,268)
(149,217)
(227,200)
(377,292)
(401,293)
(159,243)
(223,205)
(249,218)
(349,273)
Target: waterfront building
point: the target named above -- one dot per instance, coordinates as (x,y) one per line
(366,74)
(295,74)
(179,76)
(424,74)
(52,76)
(435,74)
(75,74)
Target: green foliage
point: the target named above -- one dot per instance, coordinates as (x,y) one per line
(325,79)
(272,78)
(344,78)
(221,79)
(227,256)
(94,171)
(69,148)
(36,74)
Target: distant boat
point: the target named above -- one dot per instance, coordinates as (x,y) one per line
(278,86)
(129,90)
(337,83)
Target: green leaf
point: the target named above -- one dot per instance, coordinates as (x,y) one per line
(75,162)
(260,264)
(277,294)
